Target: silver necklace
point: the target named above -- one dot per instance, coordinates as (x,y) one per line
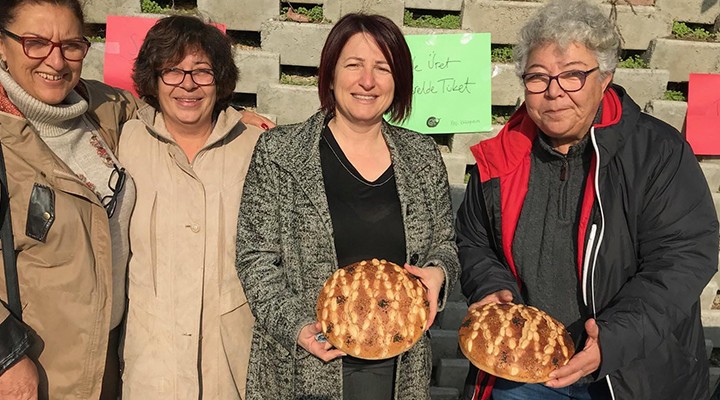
(359,179)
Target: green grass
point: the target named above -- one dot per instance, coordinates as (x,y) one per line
(501,54)
(634,62)
(681,30)
(501,118)
(674,95)
(95,39)
(298,80)
(315,14)
(428,21)
(152,7)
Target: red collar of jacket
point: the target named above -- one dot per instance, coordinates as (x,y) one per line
(506,158)
(6,105)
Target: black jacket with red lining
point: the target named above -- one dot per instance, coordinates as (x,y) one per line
(648,245)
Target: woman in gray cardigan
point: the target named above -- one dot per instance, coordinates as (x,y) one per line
(341,187)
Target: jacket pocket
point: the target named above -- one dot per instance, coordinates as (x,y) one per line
(232,299)
(271,370)
(41,212)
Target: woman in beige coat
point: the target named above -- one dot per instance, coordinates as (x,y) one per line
(188,324)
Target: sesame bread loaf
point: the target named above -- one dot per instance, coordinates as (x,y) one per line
(515,342)
(373,309)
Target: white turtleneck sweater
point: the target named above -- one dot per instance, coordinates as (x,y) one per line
(75,139)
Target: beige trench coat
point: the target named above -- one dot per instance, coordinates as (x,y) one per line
(65,277)
(189,325)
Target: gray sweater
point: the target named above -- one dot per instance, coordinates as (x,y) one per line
(545,246)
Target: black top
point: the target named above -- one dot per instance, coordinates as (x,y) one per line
(367,223)
(366,217)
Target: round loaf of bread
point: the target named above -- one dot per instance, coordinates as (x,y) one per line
(515,342)
(373,309)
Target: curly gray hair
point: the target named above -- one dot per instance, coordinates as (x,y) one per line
(564,22)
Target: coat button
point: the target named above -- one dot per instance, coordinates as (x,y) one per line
(195,228)
(46,216)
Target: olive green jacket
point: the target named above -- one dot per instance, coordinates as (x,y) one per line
(286,252)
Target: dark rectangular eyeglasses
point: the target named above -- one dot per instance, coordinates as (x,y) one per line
(39,48)
(116,183)
(569,81)
(176,76)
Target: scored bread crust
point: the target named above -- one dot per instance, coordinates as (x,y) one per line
(515,342)
(373,309)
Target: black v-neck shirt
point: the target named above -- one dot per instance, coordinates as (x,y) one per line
(367,223)
(366,216)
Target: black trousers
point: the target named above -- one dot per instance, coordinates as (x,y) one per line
(111,378)
(368,379)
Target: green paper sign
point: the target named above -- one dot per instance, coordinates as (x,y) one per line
(451,83)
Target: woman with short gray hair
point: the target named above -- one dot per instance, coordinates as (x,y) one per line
(570,22)
(596,213)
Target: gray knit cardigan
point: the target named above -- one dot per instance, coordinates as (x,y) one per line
(285,252)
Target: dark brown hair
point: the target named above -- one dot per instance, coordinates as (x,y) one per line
(169,41)
(9,8)
(392,45)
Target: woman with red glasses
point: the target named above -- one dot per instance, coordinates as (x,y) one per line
(70,203)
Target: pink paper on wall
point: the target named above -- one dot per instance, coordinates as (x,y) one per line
(123,38)
(703,114)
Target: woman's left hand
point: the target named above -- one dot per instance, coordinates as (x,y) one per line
(432,278)
(255,119)
(583,363)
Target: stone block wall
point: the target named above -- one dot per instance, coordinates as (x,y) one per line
(284,45)
(645,26)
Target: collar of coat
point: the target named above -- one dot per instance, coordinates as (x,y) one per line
(301,146)
(505,152)
(506,158)
(296,150)
(226,121)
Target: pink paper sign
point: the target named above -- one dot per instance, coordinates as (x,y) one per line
(123,38)
(703,114)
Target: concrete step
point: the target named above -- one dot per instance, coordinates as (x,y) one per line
(712,175)
(708,348)
(444,345)
(715,383)
(444,393)
(452,316)
(456,294)
(457,194)
(452,373)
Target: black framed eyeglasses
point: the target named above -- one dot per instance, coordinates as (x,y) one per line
(176,76)
(39,48)
(116,183)
(569,81)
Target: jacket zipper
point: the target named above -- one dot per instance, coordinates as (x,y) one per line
(600,235)
(586,264)
(563,187)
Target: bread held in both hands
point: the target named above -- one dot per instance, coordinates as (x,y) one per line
(373,309)
(515,342)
